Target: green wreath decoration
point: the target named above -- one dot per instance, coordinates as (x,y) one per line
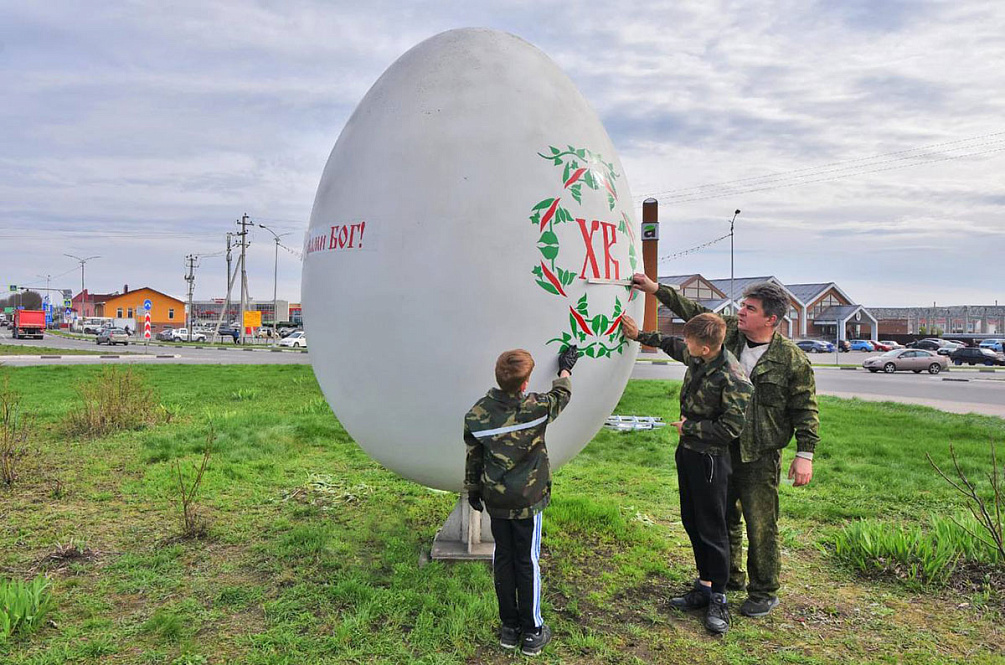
(580,167)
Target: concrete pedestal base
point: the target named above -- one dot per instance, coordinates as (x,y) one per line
(465,536)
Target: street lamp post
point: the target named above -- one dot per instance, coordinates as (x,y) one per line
(732,296)
(83,304)
(275,278)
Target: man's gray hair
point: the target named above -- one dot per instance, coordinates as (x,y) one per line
(774,299)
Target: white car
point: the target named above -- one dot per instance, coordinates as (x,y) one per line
(181,335)
(295,339)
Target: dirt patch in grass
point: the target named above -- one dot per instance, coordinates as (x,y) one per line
(974,578)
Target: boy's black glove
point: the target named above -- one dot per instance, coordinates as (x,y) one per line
(567,359)
(475,501)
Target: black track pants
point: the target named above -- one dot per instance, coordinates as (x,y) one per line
(517,571)
(703,479)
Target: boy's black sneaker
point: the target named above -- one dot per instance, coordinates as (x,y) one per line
(533,643)
(694,599)
(758,608)
(509,638)
(717,616)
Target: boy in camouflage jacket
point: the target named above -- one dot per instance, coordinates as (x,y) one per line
(508,475)
(713,404)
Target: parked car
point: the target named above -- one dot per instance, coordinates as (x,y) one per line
(181,335)
(929,344)
(893,345)
(295,339)
(815,346)
(898,360)
(949,346)
(861,345)
(976,356)
(881,346)
(843,345)
(994,344)
(165,335)
(112,336)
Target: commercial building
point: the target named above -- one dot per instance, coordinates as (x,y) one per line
(208,311)
(821,310)
(957,319)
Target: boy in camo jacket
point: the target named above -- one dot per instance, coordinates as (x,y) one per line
(508,475)
(713,404)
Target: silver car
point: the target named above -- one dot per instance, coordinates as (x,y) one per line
(112,336)
(916,360)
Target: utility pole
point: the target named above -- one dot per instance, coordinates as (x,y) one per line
(190,278)
(83,303)
(226,304)
(47,289)
(275,277)
(244,270)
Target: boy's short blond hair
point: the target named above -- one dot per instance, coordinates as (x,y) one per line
(513,368)
(708,329)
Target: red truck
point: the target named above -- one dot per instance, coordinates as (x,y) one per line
(28,323)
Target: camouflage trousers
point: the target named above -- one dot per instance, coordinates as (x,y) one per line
(752,498)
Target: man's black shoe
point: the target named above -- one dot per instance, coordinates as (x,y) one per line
(533,643)
(509,638)
(717,616)
(758,608)
(694,599)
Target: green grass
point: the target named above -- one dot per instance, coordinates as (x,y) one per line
(29,350)
(313,553)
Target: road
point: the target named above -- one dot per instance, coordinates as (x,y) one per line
(154,353)
(956,391)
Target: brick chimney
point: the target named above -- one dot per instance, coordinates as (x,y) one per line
(125,288)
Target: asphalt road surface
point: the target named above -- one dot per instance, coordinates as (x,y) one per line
(957,391)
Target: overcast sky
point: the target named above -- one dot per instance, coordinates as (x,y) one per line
(864,141)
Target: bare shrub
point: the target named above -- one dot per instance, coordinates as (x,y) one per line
(116,400)
(15,430)
(987,511)
(193,525)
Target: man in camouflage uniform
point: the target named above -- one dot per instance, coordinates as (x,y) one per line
(713,406)
(784,403)
(508,475)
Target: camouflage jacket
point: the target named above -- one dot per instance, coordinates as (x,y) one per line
(713,397)
(507,460)
(785,392)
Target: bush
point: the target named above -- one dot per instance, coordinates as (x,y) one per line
(118,399)
(23,606)
(15,428)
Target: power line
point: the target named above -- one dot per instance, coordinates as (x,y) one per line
(692,250)
(737,192)
(785,174)
(810,175)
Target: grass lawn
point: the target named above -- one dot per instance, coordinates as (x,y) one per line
(313,553)
(26,350)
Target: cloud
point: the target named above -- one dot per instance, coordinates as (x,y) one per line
(168,121)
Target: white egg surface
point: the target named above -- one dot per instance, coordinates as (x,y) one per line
(468,203)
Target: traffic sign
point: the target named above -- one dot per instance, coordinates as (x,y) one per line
(146,325)
(13,287)
(67,303)
(147,305)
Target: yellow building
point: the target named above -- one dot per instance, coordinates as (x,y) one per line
(165,311)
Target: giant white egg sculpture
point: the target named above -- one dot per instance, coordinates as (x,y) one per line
(469,205)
